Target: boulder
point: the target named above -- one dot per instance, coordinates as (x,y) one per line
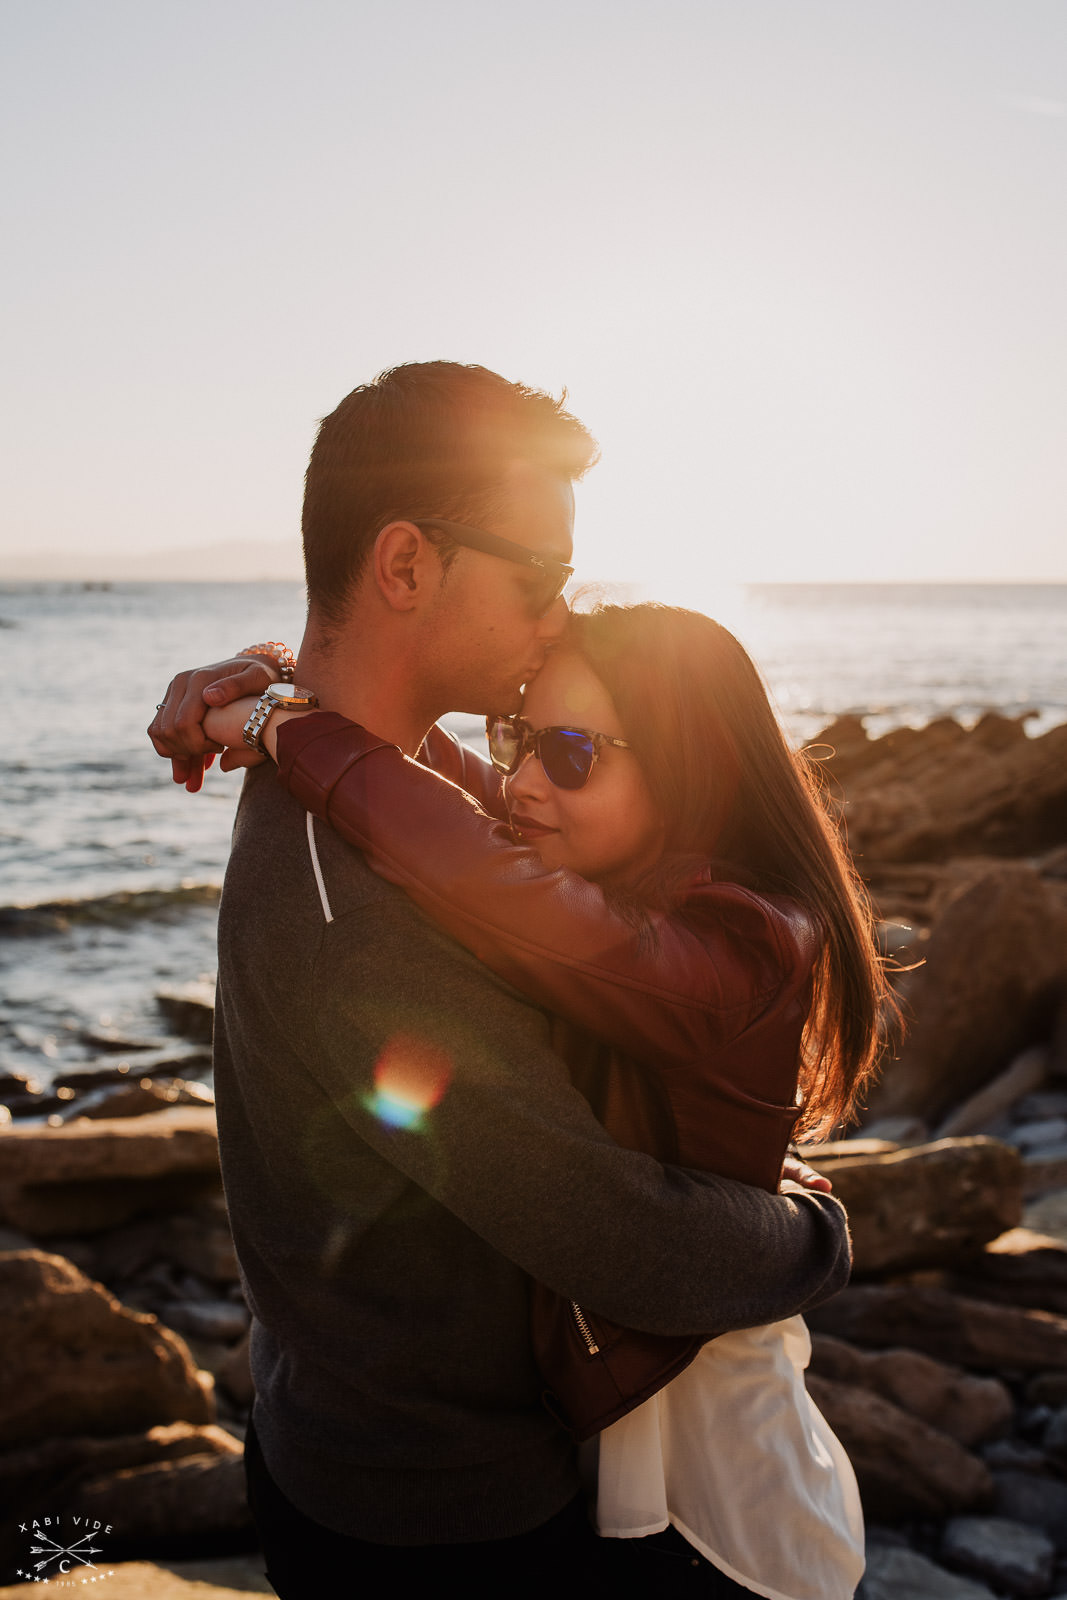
(967,1408)
(1005,1553)
(1043,1103)
(31,1477)
(16,1086)
(1047,1389)
(950,1327)
(199,1241)
(1020,1268)
(995,964)
(1047,1214)
(1054,1439)
(133,1098)
(1045,1170)
(895,1573)
(169,1507)
(221,1321)
(190,1010)
(234,1376)
(76,1361)
(1039,1502)
(978,1113)
(895,1131)
(927,1204)
(904,1467)
(117,1041)
(174,1059)
(209,1578)
(941,792)
(1014,1455)
(87,1176)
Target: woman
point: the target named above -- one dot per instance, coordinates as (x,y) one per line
(670,886)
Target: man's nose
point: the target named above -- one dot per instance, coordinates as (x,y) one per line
(553,624)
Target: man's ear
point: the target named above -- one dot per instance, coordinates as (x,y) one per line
(405,565)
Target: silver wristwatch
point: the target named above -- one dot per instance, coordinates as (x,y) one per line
(275,695)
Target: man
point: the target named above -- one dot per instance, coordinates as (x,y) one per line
(400,1146)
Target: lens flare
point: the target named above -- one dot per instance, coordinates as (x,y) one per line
(410,1078)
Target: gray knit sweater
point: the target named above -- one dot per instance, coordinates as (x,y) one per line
(385,1249)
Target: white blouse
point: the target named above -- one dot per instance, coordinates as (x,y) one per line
(736,1456)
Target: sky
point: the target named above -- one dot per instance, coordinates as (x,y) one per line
(800,265)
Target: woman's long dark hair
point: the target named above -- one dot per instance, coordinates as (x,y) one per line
(731,790)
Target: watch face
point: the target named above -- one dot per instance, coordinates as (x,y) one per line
(290,694)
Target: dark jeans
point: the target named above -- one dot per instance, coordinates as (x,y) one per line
(306,1561)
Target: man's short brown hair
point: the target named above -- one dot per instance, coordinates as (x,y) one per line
(431,438)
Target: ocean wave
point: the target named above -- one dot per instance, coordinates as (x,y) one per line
(123,905)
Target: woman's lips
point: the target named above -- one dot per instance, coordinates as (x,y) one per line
(527,828)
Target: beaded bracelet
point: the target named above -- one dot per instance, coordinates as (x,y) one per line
(278,652)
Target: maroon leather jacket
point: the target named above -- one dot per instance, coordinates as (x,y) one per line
(702,1009)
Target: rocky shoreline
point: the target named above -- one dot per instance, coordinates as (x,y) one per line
(943,1368)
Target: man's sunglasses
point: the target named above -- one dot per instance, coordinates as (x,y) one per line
(566,754)
(555,573)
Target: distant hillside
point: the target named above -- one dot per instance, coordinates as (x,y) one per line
(222,563)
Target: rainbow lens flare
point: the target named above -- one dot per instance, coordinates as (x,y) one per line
(410,1078)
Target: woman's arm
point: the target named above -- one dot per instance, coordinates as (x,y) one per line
(463,766)
(695,981)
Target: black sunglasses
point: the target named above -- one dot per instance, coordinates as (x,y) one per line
(555,573)
(566,754)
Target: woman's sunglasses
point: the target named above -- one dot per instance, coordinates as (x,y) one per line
(566,754)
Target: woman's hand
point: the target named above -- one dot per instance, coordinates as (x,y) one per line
(794,1170)
(177,729)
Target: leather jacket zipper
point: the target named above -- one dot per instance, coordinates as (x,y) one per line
(591,1346)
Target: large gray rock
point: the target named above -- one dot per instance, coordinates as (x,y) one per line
(967,1408)
(949,1327)
(894,1573)
(925,1205)
(903,1467)
(87,1176)
(995,962)
(1040,1502)
(76,1361)
(222,1321)
(1054,1439)
(1008,1554)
